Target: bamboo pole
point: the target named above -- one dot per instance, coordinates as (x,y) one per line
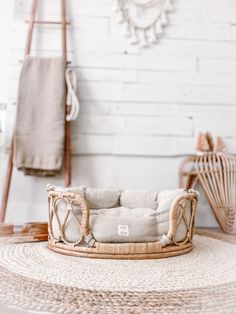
(67,152)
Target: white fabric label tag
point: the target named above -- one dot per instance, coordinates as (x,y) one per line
(123,230)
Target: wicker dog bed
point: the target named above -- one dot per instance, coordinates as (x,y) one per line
(120,224)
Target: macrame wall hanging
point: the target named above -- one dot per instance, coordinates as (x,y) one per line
(144,20)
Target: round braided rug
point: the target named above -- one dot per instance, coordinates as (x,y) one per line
(202,281)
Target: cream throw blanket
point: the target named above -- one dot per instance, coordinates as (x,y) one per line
(40,119)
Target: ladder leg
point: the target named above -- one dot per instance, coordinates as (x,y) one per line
(31,26)
(67,153)
(7,185)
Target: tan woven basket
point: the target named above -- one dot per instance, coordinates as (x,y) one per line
(87,246)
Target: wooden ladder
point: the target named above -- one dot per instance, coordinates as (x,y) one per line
(67,148)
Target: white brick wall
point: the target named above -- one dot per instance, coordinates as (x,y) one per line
(140,108)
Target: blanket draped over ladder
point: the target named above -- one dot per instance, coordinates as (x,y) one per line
(39,132)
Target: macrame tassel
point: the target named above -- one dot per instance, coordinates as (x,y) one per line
(158,28)
(134,37)
(164,20)
(144,40)
(127,29)
(144,20)
(116,8)
(120,17)
(153,35)
(169,6)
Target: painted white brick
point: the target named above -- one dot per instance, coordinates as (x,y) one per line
(230,144)
(95,124)
(85,144)
(99,60)
(106,44)
(154,63)
(92,8)
(205,11)
(202,31)
(192,15)
(191,48)
(217,66)
(132,145)
(153,146)
(157,109)
(104,75)
(233,30)
(182,79)
(190,94)
(222,6)
(218,126)
(101,91)
(82,23)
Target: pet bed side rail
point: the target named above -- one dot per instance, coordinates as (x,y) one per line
(72,200)
(178,214)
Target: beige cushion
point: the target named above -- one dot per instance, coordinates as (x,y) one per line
(75,189)
(123,224)
(165,198)
(101,198)
(139,198)
(165,201)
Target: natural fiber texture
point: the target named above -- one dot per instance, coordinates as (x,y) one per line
(203,281)
(216,172)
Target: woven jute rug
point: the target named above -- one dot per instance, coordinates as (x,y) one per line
(202,281)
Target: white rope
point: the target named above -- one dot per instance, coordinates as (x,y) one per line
(72,99)
(165,240)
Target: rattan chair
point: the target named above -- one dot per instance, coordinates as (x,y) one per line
(216,172)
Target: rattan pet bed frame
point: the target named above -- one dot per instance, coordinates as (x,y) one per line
(87,246)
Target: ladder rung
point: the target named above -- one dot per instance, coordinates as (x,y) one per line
(67,62)
(47,22)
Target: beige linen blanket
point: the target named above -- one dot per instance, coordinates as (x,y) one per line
(40,119)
